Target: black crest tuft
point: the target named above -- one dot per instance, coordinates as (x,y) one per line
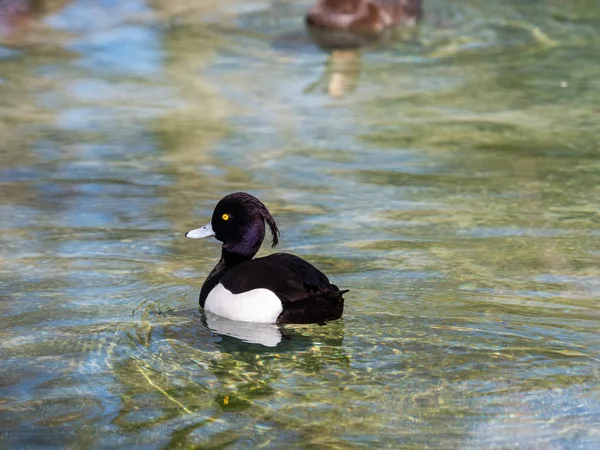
(273,227)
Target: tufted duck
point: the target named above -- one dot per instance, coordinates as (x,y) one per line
(279,288)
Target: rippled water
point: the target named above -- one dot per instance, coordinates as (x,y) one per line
(450,180)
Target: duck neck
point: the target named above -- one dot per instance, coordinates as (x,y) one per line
(245,245)
(212,280)
(240,248)
(231,258)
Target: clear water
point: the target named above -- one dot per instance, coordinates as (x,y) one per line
(450,181)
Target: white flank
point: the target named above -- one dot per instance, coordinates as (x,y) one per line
(258,305)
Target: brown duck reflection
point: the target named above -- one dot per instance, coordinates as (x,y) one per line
(18,17)
(341,74)
(344,27)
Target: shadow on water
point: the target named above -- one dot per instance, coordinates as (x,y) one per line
(192,376)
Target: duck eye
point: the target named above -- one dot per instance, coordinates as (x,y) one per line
(225,217)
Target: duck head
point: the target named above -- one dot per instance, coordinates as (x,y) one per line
(238,221)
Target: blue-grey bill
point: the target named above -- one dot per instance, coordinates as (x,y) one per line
(201,232)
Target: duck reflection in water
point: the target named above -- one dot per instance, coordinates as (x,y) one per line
(268,335)
(235,334)
(343,27)
(201,329)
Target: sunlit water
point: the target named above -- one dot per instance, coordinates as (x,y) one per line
(450,180)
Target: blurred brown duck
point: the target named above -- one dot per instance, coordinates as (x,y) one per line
(17,17)
(352,24)
(363,16)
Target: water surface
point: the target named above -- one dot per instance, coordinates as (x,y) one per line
(449,180)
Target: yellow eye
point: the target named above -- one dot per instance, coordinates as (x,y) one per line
(225,217)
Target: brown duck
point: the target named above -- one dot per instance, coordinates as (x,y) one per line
(363,16)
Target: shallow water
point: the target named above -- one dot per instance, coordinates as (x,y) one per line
(449,180)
